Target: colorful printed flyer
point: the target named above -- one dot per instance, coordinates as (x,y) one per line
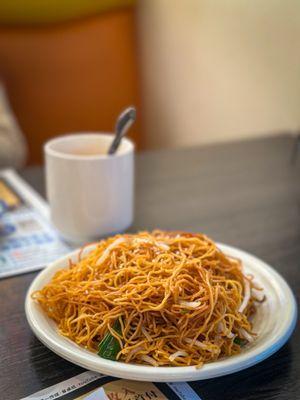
(28,241)
(94,386)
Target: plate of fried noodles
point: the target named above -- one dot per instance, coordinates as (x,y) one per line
(161,306)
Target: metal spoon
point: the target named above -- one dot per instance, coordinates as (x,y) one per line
(124,122)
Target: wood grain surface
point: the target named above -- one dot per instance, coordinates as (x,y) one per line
(245,194)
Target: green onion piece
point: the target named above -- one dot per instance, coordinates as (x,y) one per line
(109,346)
(239,341)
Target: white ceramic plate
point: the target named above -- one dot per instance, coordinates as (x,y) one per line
(274,324)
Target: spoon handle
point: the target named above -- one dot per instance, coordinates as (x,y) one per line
(124,122)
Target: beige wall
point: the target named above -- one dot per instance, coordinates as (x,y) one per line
(219,70)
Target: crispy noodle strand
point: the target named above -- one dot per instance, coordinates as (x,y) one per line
(179,300)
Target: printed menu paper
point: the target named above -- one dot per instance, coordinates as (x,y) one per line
(94,386)
(28,241)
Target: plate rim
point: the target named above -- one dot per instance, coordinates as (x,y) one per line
(214,369)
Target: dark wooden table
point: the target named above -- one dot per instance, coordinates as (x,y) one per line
(245,194)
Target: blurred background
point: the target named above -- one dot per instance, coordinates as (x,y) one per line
(198,71)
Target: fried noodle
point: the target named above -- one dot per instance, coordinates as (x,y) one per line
(178,298)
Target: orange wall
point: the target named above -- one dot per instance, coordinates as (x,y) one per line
(70,77)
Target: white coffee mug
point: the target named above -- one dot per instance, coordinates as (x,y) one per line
(91,194)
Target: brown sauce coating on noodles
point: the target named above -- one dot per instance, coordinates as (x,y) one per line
(179,300)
